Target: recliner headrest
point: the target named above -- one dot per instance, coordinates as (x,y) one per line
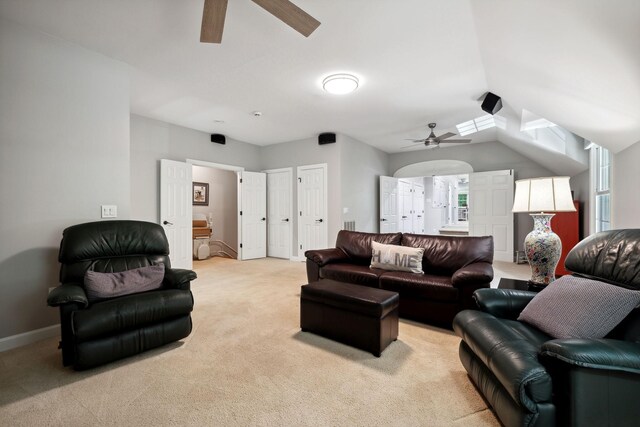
(610,256)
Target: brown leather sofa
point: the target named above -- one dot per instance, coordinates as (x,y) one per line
(454,267)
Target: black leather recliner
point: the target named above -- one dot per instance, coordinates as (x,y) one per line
(96,333)
(529,378)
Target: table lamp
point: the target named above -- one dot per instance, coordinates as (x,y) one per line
(542,246)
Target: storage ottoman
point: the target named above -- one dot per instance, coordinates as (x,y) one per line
(363,317)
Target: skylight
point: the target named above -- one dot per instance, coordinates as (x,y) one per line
(480,123)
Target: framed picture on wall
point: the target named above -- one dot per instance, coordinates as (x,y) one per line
(200,194)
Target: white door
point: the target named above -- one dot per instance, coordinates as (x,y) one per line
(388,204)
(312,208)
(279,213)
(418,208)
(253,215)
(175,211)
(490,202)
(405,207)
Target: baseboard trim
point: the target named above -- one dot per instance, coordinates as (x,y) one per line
(15,341)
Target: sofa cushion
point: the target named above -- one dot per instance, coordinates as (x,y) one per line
(108,285)
(419,285)
(443,255)
(576,307)
(352,273)
(111,317)
(396,257)
(357,245)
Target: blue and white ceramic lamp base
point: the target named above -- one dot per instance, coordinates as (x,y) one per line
(543,248)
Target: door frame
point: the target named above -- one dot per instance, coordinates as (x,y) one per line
(325,209)
(279,170)
(238,170)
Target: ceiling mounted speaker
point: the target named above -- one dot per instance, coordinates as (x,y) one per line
(326,138)
(218,139)
(492,103)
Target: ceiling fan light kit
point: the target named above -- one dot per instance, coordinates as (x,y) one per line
(340,84)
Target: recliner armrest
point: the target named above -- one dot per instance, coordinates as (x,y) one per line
(179,278)
(323,257)
(603,353)
(67,293)
(476,273)
(503,303)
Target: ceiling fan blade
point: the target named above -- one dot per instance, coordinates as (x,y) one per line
(213,21)
(446,135)
(291,15)
(414,140)
(455,141)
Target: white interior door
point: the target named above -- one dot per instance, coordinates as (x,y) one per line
(405,206)
(312,208)
(490,202)
(175,211)
(279,212)
(389,204)
(418,208)
(253,215)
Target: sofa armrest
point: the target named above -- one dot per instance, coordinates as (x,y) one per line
(323,257)
(503,303)
(68,293)
(605,354)
(178,278)
(476,273)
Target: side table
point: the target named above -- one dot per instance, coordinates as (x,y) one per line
(522,285)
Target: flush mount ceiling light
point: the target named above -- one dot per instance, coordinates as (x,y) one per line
(340,84)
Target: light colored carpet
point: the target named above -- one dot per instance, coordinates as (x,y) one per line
(247,363)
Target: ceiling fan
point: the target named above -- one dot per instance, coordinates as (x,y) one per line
(433,141)
(215,11)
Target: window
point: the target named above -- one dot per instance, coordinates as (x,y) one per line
(601,187)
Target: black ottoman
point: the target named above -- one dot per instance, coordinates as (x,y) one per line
(363,317)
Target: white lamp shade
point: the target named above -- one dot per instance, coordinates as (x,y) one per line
(550,194)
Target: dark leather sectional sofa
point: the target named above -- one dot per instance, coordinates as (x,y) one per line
(454,267)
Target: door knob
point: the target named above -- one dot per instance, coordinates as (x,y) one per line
(263,219)
(383,219)
(286,220)
(319,220)
(167,223)
(404,217)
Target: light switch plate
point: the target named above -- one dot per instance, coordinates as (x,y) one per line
(109,211)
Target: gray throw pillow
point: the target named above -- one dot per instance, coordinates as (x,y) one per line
(575,307)
(108,285)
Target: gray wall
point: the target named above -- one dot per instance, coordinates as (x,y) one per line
(625,208)
(64,151)
(308,152)
(483,157)
(361,168)
(223,202)
(152,140)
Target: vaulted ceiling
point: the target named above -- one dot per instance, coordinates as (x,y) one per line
(573,62)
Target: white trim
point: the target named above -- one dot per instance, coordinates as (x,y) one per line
(25,338)
(215,165)
(297,258)
(279,170)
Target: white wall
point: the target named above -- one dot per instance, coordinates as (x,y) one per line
(361,168)
(625,207)
(152,140)
(64,151)
(308,152)
(223,202)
